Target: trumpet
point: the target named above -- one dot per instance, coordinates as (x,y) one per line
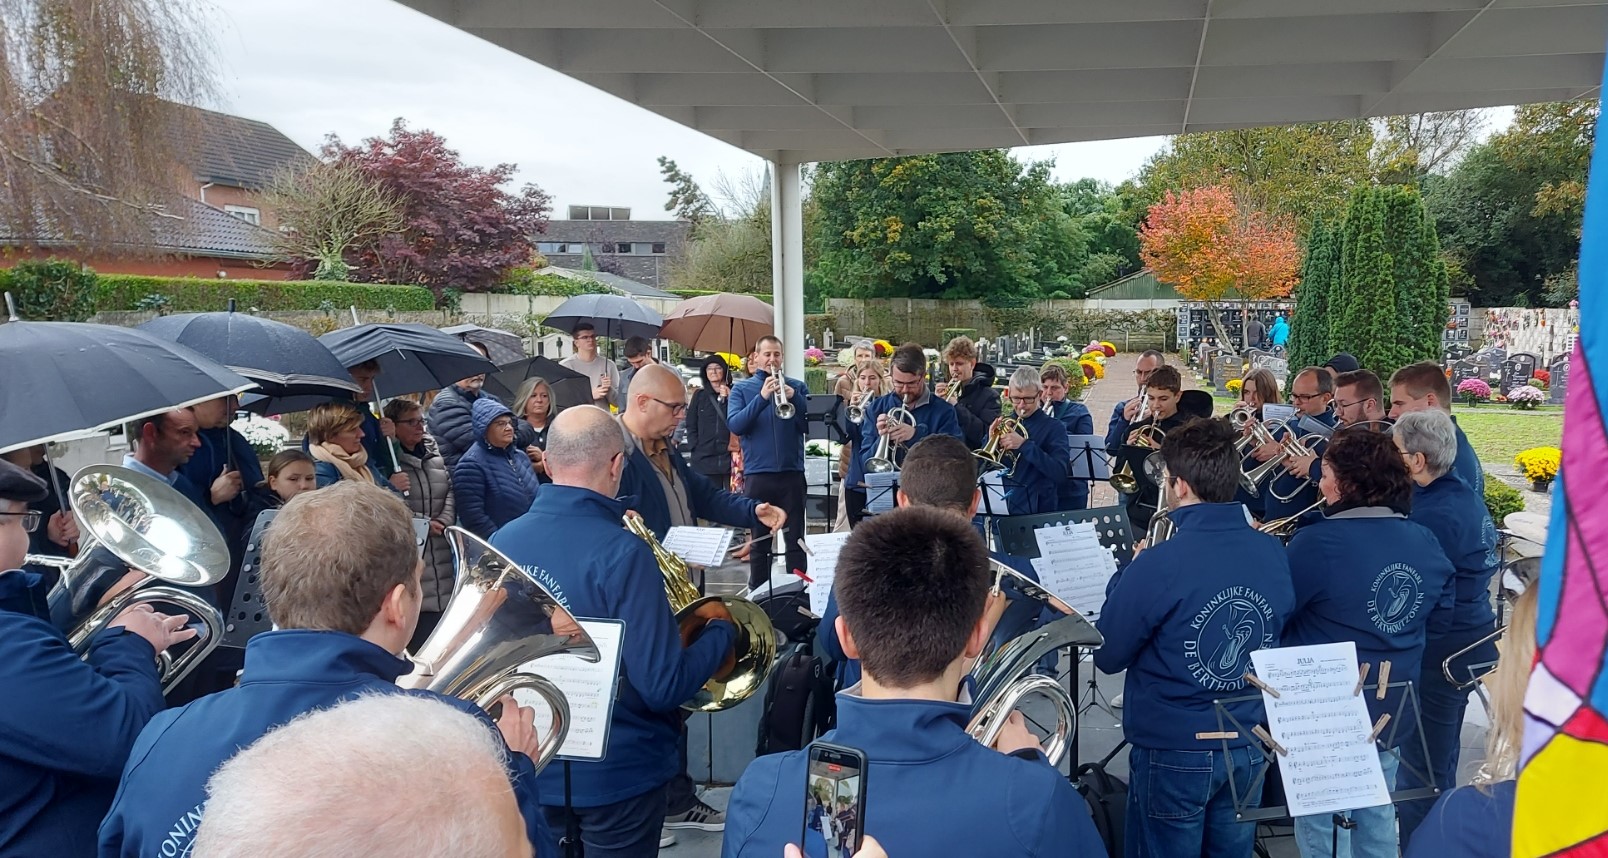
(857,410)
(881,461)
(1285,527)
(992,454)
(784,406)
(756,637)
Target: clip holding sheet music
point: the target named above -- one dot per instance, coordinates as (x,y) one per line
(1251,678)
(1384,680)
(1362,677)
(1268,740)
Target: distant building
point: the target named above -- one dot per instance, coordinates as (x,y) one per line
(641,250)
(233,160)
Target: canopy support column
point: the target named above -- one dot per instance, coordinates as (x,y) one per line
(787,261)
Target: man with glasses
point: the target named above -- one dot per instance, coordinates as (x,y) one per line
(65,741)
(1126,412)
(907,374)
(605,376)
(773,451)
(1359,398)
(1311,393)
(661,487)
(1038,463)
(449,418)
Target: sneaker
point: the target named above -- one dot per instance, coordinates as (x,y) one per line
(1117,701)
(700,816)
(667,838)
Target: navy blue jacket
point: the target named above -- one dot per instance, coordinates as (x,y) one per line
(1467,467)
(1042,463)
(600,570)
(931,790)
(67,726)
(770,445)
(451,422)
(933,417)
(1075,416)
(1462,525)
(1116,429)
(640,491)
(492,487)
(288,673)
(977,407)
(1182,620)
(1371,576)
(1468,822)
(209,461)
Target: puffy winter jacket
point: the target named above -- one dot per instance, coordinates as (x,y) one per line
(430,496)
(451,423)
(978,407)
(492,487)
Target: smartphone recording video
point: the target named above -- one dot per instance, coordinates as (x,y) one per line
(834,801)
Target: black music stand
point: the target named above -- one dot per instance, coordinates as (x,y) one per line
(1111,524)
(1090,462)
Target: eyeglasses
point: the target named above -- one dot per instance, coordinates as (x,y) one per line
(1305,397)
(1024,400)
(411,421)
(30,519)
(585,337)
(675,407)
(502,423)
(1338,404)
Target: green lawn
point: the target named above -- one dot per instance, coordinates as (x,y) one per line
(1498,432)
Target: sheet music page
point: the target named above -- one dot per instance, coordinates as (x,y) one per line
(1274,411)
(1330,765)
(589,689)
(879,491)
(699,546)
(1074,566)
(824,548)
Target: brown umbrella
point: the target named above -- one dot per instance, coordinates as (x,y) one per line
(720,323)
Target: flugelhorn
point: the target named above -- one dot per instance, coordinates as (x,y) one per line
(881,461)
(1285,527)
(992,454)
(1291,448)
(147,525)
(498,622)
(857,409)
(756,637)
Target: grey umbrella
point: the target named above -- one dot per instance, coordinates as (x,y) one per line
(569,387)
(502,347)
(285,361)
(614,316)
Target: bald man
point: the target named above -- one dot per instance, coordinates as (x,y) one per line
(601,570)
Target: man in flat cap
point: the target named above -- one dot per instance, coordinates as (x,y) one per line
(64,742)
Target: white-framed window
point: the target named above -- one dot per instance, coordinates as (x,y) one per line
(248,214)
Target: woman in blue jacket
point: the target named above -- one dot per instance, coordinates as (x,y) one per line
(335,441)
(1463,613)
(494,482)
(1365,573)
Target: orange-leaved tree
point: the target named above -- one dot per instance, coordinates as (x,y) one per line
(1211,248)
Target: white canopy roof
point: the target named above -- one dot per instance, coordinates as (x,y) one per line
(810,80)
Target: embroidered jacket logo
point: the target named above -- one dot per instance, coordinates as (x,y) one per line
(1226,629)
(1398,593)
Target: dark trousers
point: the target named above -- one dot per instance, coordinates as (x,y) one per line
(854,499)
(1442,711)
(785,490)
(625,829)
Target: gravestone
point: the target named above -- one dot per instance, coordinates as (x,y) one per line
(1226,367)
(1280,367)
(1559,386)
(1517,370)
(1208,361)
(1463,370)
(1490,360)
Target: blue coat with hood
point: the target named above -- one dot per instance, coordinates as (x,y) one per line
(600,570)
(1462,524)
(1468,467)
(1182,620)
(68,724)
(1367,574)
(492,487)
(1075,416)
(931,790)
(451,421)
(770,444)
(288,672)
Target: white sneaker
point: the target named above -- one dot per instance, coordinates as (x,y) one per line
(1117,701)
(667,838)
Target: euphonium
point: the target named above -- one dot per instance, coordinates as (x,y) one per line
(881,461)
(1003,681)
(992,454)
(784,406)
(756,638)
(498,622)
(148,526)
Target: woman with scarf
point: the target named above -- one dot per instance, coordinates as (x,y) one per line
(335,441)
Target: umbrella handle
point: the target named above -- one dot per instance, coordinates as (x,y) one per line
(390,443)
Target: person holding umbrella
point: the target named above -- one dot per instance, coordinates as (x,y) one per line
(604,375)
(57,533)
(707,432)
(375,430)
(431,499)
(494,482)
(449,419)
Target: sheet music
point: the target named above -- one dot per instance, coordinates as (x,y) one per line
(699,546)
(879,491)
(824,549)
(1274,411)
(1330,765)
(589,688)
(1074,566)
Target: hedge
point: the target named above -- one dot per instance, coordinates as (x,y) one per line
(523,281)
(124,292)
(1501,499)
(698,293)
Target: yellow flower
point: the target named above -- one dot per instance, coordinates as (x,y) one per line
(1234,385)
(1539,463)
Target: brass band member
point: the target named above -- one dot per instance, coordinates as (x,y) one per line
(1127,411)
(1075,416)
(907,372)
(1310,391)
(1364,573)
(1420,386)
(1163,386)
(1038,463)
(977,405)
(1359,398)
(1259,388)
(773,451)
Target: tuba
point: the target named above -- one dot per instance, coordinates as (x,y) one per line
(756,638)
(497,622)
(148,526)
(881,461)
(1004,680)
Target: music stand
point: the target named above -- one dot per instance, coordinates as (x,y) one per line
(1090,462)
(1111,526)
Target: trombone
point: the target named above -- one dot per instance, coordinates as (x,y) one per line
(881,461)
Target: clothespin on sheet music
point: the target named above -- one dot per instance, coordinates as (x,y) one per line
(1379,727)
(1362,677)
(1384,680)
(1267,739)
(1225,735)
(1251,678)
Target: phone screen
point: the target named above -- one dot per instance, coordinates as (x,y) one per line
(834,801)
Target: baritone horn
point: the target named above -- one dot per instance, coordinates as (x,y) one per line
(756,637)
(499,621)
(1004,682)
(146,525)
(881,461)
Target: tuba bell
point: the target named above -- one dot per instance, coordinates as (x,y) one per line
(1005,679)
(756,637)
(150,527)
(498,621)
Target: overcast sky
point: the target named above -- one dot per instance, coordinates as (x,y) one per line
(352,66)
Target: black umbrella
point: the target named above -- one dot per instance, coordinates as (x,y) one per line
(502,347)
(569,387)
(413,358)
(614,316)
(68,379)
(284,360)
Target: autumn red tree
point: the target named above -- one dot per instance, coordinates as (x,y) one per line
(461,230)
(1212,249)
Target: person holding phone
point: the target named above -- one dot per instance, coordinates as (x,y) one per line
(928,787)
